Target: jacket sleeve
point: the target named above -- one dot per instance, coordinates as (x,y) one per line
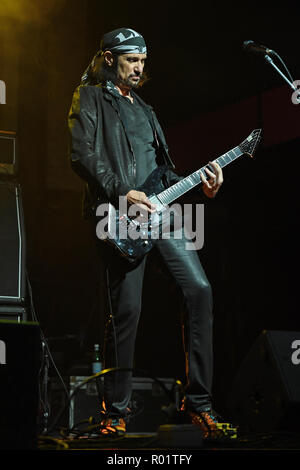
(85,159)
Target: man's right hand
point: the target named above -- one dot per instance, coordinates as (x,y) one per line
(140,199)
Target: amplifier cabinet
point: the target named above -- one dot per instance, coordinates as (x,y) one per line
(8,153)
(12,245)
(13,312)
(20,362)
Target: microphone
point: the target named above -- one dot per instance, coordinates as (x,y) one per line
(252,46)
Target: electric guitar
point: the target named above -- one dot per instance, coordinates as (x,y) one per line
(134,232)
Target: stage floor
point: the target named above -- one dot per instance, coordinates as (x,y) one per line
(150,444)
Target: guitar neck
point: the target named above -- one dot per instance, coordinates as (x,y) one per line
(186,184)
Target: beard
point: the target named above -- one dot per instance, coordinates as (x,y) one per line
(130,83)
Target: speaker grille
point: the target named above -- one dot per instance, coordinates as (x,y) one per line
(12,245)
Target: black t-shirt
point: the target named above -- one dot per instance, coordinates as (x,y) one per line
(141,137)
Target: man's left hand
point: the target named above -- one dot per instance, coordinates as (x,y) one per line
(213,180)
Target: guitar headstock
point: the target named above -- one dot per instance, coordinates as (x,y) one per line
(249,145)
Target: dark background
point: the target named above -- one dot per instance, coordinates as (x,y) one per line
(209,94)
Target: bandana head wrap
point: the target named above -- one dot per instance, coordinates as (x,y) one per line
(119,41)
(123,41)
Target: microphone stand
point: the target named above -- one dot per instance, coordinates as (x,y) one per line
(291,84)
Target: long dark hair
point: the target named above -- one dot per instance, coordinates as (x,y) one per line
(100,72)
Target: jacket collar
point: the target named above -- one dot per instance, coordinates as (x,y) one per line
(113,91)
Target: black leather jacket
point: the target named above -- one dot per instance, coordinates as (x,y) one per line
(100,151)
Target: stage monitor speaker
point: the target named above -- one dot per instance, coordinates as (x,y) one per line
(266,391)
(12,245)
(20,359)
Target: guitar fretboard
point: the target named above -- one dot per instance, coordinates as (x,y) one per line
(186,184)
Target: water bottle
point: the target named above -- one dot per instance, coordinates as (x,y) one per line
(96,364)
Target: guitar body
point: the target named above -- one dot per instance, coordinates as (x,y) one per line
(132,248)
(133,232)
